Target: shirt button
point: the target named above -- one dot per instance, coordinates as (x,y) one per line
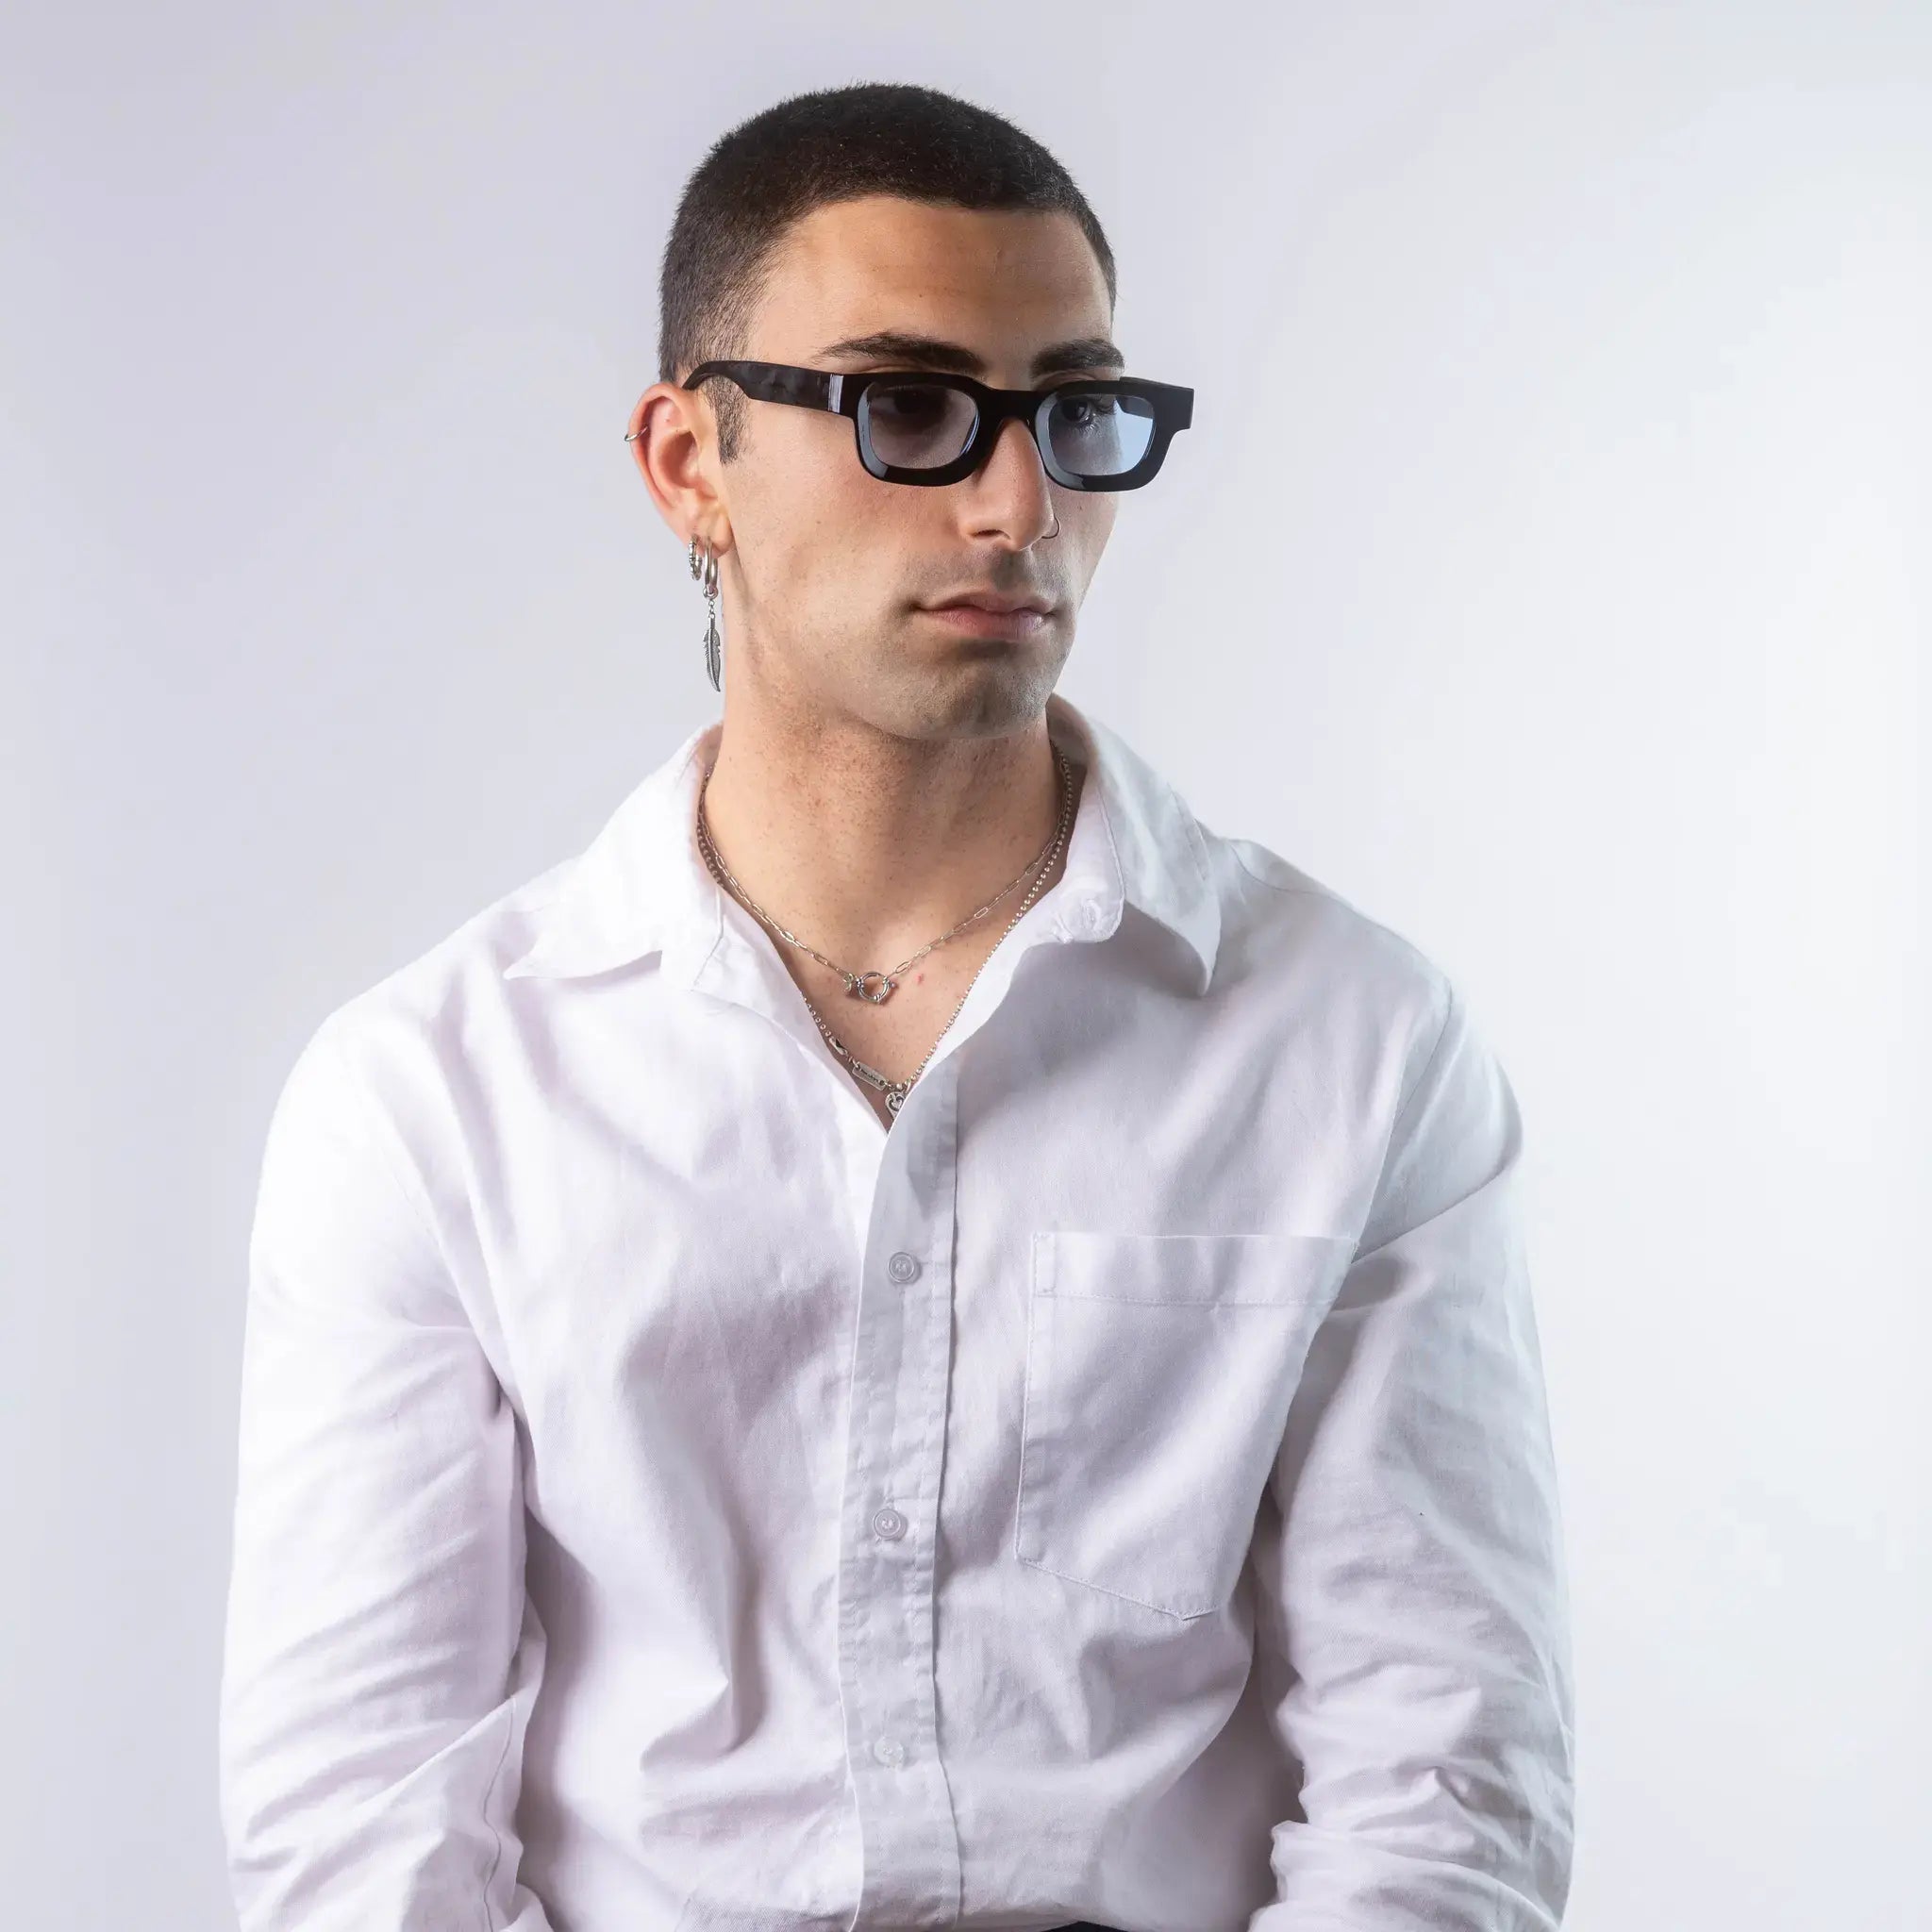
(887,1524)
(902,1267)
(1090,916)
(888,1751)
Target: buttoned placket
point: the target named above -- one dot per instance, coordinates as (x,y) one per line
(899,1390)
(901,1364)
(901,1367)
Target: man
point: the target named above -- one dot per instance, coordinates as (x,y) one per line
(913,1338)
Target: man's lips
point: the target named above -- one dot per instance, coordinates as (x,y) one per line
(978,620)
(994,600)
(990,613)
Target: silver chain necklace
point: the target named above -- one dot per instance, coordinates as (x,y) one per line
(859,985)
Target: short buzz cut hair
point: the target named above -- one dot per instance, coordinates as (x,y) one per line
(829,145)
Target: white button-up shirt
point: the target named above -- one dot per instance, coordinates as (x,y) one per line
(672,1501)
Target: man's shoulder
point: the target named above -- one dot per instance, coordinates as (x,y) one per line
(437,1000)
(1290,919)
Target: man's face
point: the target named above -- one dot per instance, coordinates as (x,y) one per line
(834,568)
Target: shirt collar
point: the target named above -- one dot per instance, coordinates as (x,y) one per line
(641,884)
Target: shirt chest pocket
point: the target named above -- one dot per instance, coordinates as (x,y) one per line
(1159,1374)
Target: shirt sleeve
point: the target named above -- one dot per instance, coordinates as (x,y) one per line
(1417,1595)
(379,1660)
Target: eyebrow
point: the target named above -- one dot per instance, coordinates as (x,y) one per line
(906,348)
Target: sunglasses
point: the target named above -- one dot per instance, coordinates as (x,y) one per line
(934,428)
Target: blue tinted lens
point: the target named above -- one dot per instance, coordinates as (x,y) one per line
(1097,434)
(916,426)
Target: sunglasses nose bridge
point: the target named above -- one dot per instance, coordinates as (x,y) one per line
(997,418)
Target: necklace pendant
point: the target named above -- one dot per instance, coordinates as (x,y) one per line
(859,985)
(871,1075)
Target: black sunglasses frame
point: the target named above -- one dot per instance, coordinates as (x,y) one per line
(845,395)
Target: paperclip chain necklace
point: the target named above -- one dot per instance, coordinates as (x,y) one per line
(858,984)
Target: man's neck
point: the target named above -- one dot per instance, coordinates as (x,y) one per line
(868,845)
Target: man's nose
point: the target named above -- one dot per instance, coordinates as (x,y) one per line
(1014,487)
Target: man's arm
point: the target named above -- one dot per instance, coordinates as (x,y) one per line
(1418,1594)
(373,1699)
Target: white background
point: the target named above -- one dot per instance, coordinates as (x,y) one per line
(1547,572)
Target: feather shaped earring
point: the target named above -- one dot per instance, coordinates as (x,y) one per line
(707,572)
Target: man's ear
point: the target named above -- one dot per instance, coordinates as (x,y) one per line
(673,437)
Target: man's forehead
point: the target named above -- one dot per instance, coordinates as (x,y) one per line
(1001,279)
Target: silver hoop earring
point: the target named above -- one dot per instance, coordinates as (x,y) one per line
(707,572)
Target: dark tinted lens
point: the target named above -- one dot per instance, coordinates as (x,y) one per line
(1095,434)
(916,426)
